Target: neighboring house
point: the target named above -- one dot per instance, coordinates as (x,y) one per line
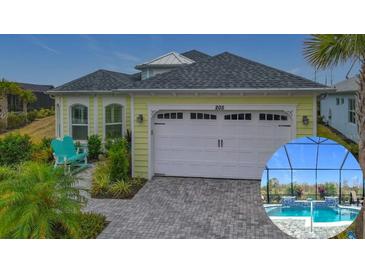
(338,108)
(15,103)
(192,114)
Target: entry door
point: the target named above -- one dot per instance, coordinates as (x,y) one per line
(217,144)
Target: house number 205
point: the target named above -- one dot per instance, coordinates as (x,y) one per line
(219,107)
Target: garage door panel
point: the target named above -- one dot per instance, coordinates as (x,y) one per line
(190,147)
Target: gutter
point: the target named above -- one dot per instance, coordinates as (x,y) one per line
(189,91)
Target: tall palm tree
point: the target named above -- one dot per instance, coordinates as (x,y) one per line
(329,50)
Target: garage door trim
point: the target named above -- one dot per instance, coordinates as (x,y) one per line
(153,109)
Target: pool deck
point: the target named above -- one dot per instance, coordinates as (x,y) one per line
(300,227)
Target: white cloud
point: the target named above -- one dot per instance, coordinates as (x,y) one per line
(42,45)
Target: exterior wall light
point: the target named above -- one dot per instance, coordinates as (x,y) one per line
(305,120)
(140,118)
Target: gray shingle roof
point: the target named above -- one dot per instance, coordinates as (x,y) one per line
(226,71)
(349,85)
(35,87)
(196,55)
(99,80)
(223,71)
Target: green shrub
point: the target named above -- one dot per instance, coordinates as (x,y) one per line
(91,224)
(94,146)
(44,112)
(38,202)
(119,160)
(138,182)
(32,115)
(2,125)
(42,152)
(101,179)
(14,149)
(121,189)
(103,187)
(16,120)
(6,173)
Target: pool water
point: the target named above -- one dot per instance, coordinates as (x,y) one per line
(320,214)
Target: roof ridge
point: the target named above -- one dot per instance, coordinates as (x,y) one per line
(267,66)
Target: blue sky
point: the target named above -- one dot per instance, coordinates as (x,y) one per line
(330,156)
(56,59)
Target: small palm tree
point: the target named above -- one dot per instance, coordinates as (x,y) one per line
(329,50)
(38,202)
(27,96)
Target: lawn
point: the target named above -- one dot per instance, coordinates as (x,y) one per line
(38,129)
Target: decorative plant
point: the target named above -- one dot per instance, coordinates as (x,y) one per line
(14,149)
(119,160)
(39,202)
(94,146)
(121,189)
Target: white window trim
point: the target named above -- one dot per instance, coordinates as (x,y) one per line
(153,109)
(114,124)
(110,100)
(85,125)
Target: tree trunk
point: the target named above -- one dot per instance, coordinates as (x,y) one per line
(25,110)
(360,116)
(360,121)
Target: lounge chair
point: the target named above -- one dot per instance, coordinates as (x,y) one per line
(354,199)
(66,154)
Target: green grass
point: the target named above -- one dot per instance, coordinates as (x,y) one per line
(326,132)
(38,129)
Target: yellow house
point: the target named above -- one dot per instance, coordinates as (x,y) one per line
(192,114)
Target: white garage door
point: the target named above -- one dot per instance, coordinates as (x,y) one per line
(234,144)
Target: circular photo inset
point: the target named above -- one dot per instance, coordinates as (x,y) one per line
(312,187)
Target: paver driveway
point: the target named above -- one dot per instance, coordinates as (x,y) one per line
(168,207)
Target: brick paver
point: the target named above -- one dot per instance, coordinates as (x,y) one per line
(169,207)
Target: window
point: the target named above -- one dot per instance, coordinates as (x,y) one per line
(79,122)
(342,101)
(352,117)
(202,116)
(337,101)
(172,115)
(238,116)
(271,117)
(113,121)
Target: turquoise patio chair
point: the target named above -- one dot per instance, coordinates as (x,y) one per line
(66,154)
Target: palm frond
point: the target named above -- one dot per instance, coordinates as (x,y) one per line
(327,50)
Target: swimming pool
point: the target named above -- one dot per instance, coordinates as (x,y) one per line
(320,214)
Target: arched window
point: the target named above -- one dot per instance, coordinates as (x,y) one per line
(113,121)
(79,122)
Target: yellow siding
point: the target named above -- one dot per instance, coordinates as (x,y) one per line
(304,107)
(100,115)
(128,113)
(65,116)
(91,116)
